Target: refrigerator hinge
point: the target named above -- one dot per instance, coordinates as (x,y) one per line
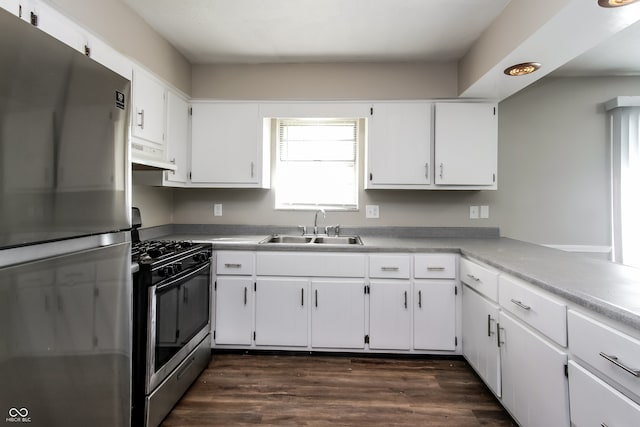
(366,339)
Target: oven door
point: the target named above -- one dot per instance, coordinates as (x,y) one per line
(178,321)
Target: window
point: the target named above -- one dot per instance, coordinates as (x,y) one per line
(625,168)
(317,164)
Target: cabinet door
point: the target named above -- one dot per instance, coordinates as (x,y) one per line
(58,26)
(596,403)
(12,6)
(399,146)
(479,338)
(534,386)
(234,310)
(281,312)
(466,144)
(104,54)
(390,315)
(434,315)
(225,144)
(148,108)
(337,314)
(177,136)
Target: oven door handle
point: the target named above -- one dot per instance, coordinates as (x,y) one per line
(184,278)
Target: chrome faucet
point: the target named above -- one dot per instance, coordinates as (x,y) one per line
(315,220)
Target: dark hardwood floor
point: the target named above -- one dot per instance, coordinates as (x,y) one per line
(304,390)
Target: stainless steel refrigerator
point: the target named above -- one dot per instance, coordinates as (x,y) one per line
(65,280)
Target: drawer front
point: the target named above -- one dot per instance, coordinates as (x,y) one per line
(235,263)
(595,403)
(310,264)
(434,267)
(390,266)
(606,349)
(540,311)
(481,279)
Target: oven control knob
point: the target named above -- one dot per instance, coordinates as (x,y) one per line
(200,257)
(166,271)
(177,267)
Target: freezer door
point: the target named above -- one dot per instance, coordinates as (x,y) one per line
(64,123)
(65,352)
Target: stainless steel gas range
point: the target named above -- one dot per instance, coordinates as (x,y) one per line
(171,324)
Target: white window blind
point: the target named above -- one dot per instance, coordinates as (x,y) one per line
(317,164)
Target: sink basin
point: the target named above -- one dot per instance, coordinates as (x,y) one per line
(338,240)
(320,240)
(279,238)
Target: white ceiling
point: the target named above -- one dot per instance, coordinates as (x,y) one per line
(572,37)
(261,31)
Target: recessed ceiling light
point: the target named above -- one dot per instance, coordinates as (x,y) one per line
(522,69)
(615,3)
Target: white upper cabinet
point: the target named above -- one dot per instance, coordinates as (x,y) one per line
(399,146)
(55,24)
(13,6)
(177,137)
(466,144)
(148,115)
(227,145)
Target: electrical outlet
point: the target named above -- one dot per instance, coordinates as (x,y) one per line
(372,211)
(484,211)
(473,212)
(217,209)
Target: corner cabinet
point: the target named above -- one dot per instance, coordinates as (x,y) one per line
(229,145)
(466,145)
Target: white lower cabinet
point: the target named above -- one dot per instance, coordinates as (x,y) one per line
(390,315)
(338,314)
(281,312)
(234,310)
(595,403)
(434,315)
(534,386)
(479,337)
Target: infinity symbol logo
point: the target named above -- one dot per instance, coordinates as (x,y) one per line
(15,412)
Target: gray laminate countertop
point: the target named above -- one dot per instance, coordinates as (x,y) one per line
(601,286)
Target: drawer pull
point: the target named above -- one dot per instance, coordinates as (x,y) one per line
(419,299)
(489,320)
(405,299)
(614,360)
(233,265)
(474,278)
(390,268)
(521,305)
(498,329)
(245,295)
(435,268)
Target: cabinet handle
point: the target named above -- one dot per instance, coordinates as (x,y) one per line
(489,320)
(498,329)
(615,361)
(441,170)
(141,114)
(316,298)
(245,295)
(233,265)
(173,161)
(302,297)
(405,299)
(390,268)
(474,278)
(435,268)
(521,305)
(252,167)
(419,299)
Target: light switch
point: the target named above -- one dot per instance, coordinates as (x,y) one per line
(217,209)
(473,212)
(484,211)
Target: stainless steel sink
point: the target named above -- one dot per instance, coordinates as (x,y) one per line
(320,240)
(338,240)
(280,238)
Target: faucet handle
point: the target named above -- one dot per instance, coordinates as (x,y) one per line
(334,228)
(303,228)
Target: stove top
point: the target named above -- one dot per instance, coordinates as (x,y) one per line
(154,251)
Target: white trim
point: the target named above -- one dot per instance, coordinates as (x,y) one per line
(581,248)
